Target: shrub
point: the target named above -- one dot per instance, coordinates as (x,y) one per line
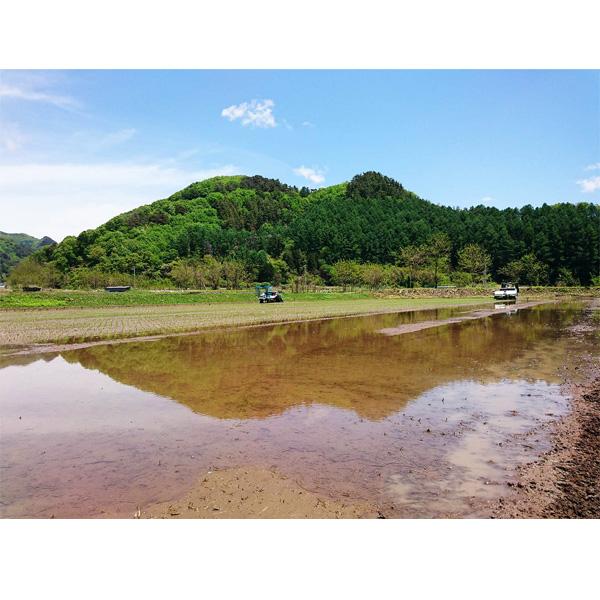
(31,272)
(566,278)
(346,273)
(461,279)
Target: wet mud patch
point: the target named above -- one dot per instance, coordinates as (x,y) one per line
(579,477)
(252,493)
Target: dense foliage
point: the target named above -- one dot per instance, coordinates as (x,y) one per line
(16,246)
(230,230)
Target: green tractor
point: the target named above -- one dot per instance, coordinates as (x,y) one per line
(265,293)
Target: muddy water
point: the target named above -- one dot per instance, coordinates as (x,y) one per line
(430,423)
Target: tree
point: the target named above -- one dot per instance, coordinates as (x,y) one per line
(413,257)
(212,269)
(234,273)
(345,273)
(566,278)
(527,270)
(83,277)
(31,272)
(188,273)
(395,276)
(512,271)
(181,274)
(475,260)
(373,185)
(533,272)
(257,221)
(305,282)
(438,250)
(65,255)
(461,279)
(373,275)
(281,270)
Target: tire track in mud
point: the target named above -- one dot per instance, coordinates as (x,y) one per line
(578,478)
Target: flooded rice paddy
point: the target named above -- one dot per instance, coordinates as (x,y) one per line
(429,423)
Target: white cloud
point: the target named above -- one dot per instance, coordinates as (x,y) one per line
(256,113)
(11,138)
(20,93)
(308,124)
(92,140)
(64,199)
(117,137)
(487,200)
(589,185)
(593,167)
(313,175)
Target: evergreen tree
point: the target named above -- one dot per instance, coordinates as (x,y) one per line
(275,230)
(438,252)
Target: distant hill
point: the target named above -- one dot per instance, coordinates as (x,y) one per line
(274,231)
(16,246)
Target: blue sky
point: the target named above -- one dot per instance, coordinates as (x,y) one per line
(77,147)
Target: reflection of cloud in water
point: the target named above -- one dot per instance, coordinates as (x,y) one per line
(495,432)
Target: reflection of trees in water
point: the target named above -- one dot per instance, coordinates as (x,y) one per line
(342,362)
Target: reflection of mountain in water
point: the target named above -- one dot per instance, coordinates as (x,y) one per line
(22,360)
(343,362)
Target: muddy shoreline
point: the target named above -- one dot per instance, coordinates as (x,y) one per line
(565,482)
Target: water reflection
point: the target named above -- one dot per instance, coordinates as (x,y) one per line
(341,362)
(405,421)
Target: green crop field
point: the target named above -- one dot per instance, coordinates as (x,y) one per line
(77,298)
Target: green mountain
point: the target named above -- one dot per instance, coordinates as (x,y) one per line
(16,246)
(272,231)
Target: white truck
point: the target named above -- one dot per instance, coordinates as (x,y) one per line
(507,291)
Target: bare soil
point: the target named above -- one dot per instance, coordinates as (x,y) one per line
(252,493)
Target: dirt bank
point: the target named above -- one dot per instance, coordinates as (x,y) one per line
(254,493)
(478,314)
(565,482)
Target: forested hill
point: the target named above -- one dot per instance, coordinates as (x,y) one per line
(270,231)
(16,246)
